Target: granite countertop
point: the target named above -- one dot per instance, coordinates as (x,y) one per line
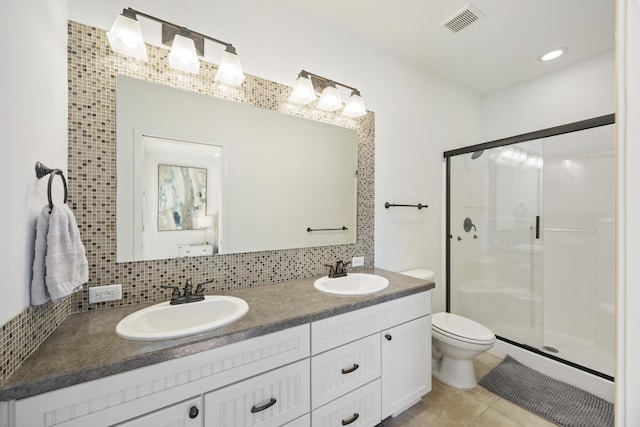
(85,346)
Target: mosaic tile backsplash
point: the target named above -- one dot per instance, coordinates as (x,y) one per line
(92,71)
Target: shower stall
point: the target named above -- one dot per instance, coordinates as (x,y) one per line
(531,240)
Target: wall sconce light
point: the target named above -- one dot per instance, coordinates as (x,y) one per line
(125,37)
(308,84)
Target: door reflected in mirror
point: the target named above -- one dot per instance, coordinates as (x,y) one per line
(180,198)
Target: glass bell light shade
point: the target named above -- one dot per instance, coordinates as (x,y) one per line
(354,106)
(125,37)
(330,99)
(183,55)
(230,69)
(303,92)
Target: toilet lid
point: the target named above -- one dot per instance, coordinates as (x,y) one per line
(457,326)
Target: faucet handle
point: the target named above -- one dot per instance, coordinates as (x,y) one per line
(175,293)
(332,269)
(200,287)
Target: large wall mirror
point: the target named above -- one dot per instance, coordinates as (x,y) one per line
(202,175)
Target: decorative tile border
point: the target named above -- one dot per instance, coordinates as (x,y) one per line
(93,67)
(92,71)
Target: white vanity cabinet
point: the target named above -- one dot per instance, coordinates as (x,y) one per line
(371,363)
(149,391)
(354,369)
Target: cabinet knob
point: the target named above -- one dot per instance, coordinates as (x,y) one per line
(193,412)
(388,337)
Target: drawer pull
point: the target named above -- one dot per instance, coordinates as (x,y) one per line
(350,420)
(388,337)
(348,371)
(193,412)
(267,405)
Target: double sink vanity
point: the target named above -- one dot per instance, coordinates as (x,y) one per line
(351,350)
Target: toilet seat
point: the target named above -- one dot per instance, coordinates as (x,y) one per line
(461,329)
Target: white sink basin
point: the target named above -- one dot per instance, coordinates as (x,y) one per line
(352,284)
(165,321)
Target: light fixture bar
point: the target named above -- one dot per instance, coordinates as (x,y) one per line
(319,81)
(193,33)
(170,31)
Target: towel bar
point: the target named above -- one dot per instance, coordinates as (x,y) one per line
(388,205)
(42,171)
(343,228)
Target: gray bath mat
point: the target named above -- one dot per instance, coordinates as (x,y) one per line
(549,398)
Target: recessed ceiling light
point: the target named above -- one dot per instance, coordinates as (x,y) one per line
(553,54)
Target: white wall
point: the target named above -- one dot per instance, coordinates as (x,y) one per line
(628,210)
(33,118)
(579,92)
(418,115)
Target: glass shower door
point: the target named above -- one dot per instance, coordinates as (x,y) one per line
(495,240)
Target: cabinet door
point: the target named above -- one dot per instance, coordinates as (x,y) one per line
(406,365)
(268,400)
(185,414)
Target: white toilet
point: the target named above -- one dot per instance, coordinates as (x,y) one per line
(456,340)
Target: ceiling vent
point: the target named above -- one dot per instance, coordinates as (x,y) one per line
(462,18)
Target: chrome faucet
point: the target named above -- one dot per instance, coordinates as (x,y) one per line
(187,295)
(340,270)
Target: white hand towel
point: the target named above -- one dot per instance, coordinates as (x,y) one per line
(39,292)
(60,264)
(66,263)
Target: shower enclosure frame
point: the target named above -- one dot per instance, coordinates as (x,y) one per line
(544,133)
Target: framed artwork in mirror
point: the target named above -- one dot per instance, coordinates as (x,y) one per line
(182,197)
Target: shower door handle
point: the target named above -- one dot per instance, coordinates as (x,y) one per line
(537,226)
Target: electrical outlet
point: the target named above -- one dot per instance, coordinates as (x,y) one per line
(357,261)
(105,293)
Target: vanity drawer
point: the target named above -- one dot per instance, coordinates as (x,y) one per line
(337,330)
(344,369)
(360,408)
(270,399)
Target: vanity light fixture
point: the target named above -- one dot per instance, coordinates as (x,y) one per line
(183,54)
(125,37)
(330,99)
(230,69)
(308,85)
(354,106)
(303,92)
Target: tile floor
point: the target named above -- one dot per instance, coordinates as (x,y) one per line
(447,406)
